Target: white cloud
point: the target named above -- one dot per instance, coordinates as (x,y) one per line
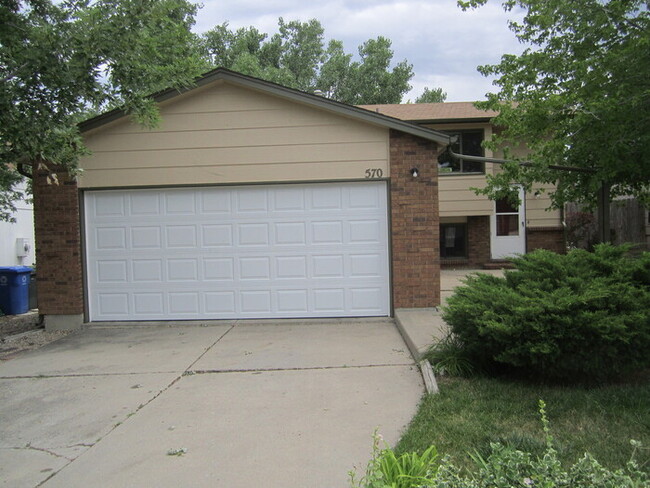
(444,44)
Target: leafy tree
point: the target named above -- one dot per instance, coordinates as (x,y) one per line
(297,57)
(369,80)
(435,95)
(579,95)
(290,57)
(62,60)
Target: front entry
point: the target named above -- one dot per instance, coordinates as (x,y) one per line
(507,228)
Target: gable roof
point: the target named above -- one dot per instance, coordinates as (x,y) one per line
(434,112)
(316,101)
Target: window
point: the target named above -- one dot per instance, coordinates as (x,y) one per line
(507,218)
(469,143)
(453,240)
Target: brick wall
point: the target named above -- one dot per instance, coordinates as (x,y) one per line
(478,245)
(478,237)
(414,222)
(58,245)
(551,238)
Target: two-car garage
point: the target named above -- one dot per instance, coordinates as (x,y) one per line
(249,201)
(257,251)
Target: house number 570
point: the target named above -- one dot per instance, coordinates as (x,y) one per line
(374,173)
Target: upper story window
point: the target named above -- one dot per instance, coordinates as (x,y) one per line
(469,143)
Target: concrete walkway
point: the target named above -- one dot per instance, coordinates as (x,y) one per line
(422,327)
(277,404)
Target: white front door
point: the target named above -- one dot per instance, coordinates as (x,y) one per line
(508,230)
(312,250)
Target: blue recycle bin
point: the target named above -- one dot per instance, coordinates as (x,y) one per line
(14,289)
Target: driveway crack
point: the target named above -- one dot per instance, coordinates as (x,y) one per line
(189,368)
(29,447)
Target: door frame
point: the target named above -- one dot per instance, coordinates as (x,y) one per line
(505,246)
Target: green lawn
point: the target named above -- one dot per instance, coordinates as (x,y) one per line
(469,414)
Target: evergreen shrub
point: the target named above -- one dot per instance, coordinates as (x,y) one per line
(576,317)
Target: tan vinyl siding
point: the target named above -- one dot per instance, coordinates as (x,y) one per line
(222,133)
(537,214)
(456,198)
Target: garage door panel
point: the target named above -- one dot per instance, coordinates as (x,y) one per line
(312,250)
(148,304)
(110,205)
(329,300)
(216,202)
(327,232)
(147,270)
(328,266)
(148,237)
(110,238)
(367,197)
(293,301)
(290,233)
(251,200)
(365,231)
(326,199)
(255,268)
(291,267)
(219,269)
(144,204)
(182,270)
(180,203)
(184,303)
(252,234)
(255,302)
(289,199)
(365,300)
(112,271)
(180,236)
(114,304)
(217,235)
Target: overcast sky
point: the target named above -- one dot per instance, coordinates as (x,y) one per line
(443,43)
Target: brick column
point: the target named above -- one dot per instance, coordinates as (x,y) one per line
(551,238)
(415,221)
(478,240)
(58,250)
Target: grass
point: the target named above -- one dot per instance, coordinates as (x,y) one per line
(468,414)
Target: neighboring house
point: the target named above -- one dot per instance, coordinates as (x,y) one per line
(17,238)
(250,200)
(473,229)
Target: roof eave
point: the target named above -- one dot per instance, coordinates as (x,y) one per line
(469,120)
(286,93)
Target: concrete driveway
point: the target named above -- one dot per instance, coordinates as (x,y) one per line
(277,404)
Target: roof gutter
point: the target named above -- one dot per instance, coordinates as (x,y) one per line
(482,159)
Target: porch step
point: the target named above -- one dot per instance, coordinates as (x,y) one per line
(498,264)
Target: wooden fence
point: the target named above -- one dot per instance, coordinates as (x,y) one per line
(628,221)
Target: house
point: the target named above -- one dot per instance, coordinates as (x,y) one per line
(475,231)
(17,238)
(250,200)
(253,200)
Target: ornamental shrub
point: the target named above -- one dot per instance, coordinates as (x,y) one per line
(576,317)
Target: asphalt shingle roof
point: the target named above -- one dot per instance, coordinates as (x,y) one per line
(432,111)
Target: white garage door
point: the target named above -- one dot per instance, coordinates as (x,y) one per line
(313,250)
